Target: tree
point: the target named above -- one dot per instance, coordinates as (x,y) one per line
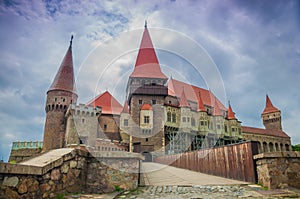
(296,147)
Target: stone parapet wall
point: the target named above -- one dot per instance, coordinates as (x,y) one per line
(72,171)
(22,154)
(278,169)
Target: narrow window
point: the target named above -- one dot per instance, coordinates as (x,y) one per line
(193,121)
(174,118)
(104,127)
(146,139)
(125,122)
(168,117)
(184,119)
(153,101)
(146,119)
(140,101)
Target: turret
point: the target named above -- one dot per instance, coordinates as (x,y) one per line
(271,116)
(60,95)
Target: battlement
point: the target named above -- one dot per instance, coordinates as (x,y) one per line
(84,110)
(108,145)
(27,145)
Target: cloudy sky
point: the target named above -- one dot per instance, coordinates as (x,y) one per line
(250,47)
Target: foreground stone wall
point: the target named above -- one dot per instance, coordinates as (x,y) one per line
(278,169)
(73,171)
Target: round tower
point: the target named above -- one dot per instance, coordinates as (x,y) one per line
(271,116)
(60,95)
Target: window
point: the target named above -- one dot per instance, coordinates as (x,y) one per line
(82,120)
(168,117)
(225,128)
(188,119)
(170,102)
(140,101)
(184,119)
(218,126)
(125,122)
(105,127)
(146,139)
(174,118)
(146,119)
(153,101)
(146,131)
(202,123)
(193,121)
(233,129)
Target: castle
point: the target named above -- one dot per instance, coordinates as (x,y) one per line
(160,115)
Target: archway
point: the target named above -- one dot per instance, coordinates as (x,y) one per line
(148,156)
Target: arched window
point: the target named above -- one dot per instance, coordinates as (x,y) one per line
(265,146)
(271,147)
(168,116)
(287,147)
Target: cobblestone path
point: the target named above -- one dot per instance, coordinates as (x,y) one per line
(201,192)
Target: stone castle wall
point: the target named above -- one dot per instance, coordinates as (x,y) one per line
(278,169)
(75,171)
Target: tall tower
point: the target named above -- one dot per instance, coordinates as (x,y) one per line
(271,116)
(147,88)
(60,95)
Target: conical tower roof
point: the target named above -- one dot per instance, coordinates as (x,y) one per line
(125,107)
(146,62)
(269,106)
(64,79)
(200,104)
(230,113)
(183,100)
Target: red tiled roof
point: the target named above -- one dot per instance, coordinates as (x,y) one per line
(269,106)
(146,62)
(175,88)
(108,104)
(146,107)
(230,113)
(125,107)
(260,131)
(64,79)
(200,104)
(217,111)
(183,101)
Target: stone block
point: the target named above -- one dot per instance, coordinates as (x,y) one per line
(11,181)
(22,188)
(55,174)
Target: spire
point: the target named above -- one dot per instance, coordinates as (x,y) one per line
(200,104)
(183,100)
(269,106)
(64,79)
(230,113)
(125,108)
(146,62)
(217,111)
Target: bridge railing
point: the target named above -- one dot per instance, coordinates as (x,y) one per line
(233,161)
